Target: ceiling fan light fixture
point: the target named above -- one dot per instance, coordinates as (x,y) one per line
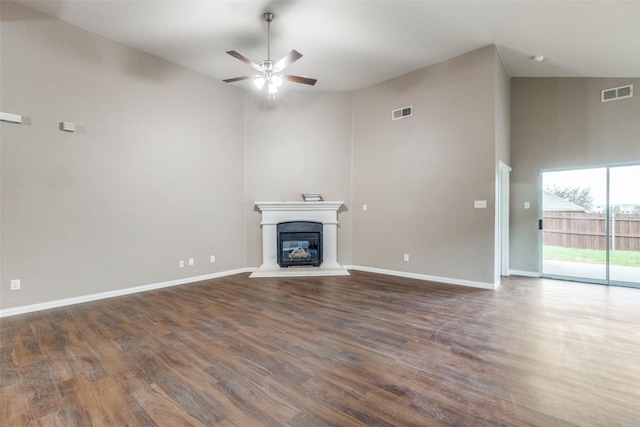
(259,82)
(276,80)
(272,88)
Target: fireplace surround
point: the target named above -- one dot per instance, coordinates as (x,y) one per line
(324,214)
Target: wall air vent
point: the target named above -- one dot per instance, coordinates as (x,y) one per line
(616,93)
(401,113)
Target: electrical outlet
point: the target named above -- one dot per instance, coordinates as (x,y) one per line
(213,258)
(480,204)
(191,261)
(15,284)
(181,264)
(364,207)
(406,257)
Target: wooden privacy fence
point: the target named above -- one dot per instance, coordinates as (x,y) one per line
(584,230)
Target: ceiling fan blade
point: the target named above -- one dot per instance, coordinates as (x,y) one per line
(237,79)
(289,59)
(244,59)
(298,79)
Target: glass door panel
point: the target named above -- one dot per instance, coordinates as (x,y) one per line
(624,224)
(574,244)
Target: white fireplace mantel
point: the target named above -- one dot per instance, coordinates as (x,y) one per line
(273,213)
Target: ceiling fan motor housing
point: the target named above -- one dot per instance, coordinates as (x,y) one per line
(267,66)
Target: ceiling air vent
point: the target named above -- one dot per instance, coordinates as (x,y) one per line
(616,93)
(401,113)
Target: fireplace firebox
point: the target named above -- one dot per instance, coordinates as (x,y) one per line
(299,243)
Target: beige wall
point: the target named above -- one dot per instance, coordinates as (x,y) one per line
(502,112)
(299,143)
(166,165)
(153,175)
(561,123)
(419,176)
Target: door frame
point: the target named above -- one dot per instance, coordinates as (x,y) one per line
(502,219)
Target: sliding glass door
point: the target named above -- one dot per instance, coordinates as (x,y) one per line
(591,225)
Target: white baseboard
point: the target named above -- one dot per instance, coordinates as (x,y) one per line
(524,273)
(120,292)
(447,280)
(127,291)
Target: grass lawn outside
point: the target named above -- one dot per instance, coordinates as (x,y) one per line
(591,256)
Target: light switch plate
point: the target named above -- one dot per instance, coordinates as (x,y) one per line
(480,204)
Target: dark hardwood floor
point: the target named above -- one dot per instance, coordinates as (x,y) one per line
(361,350)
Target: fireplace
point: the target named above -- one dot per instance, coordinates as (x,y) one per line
(299,244)
(302,234)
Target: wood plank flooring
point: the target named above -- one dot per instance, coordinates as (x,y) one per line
(359,350)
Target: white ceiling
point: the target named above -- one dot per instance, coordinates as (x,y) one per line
(348,45)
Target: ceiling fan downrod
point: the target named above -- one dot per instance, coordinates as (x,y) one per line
(268,16)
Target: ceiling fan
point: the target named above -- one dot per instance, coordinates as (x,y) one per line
(270,71)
